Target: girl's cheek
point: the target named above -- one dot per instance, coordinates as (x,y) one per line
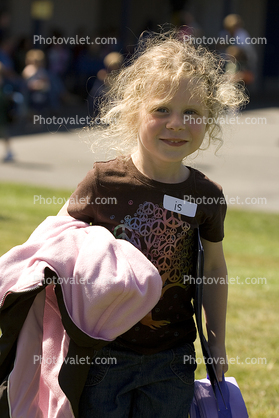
(199,123)
(197,126)
(153,123)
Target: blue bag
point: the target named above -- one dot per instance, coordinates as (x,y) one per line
(228,403)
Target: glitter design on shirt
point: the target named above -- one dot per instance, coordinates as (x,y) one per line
(165,239)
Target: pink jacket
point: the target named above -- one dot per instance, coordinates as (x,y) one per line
(69,289)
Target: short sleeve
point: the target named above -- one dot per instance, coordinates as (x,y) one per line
(211,207)
(214,212)
(81,203)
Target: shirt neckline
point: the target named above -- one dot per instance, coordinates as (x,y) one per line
(157,184)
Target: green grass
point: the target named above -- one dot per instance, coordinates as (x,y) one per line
(251,248)
(23,208)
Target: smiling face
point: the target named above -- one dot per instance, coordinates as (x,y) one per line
(170,131)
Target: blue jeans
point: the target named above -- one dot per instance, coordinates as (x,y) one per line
(132,385)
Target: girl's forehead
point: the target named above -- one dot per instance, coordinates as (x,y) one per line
(187,89)
(183,96)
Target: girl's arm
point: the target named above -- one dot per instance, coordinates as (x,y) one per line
(63,211)
(215,295)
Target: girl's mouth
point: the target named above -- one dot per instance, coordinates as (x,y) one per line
(174,143)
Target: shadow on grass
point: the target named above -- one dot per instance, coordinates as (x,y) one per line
(30,165)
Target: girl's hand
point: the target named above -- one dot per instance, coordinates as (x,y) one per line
(218,353)
(149,322)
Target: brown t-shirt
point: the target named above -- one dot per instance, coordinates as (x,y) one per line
(114,194)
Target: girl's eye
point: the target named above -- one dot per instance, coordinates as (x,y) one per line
(161,110)
(190,112)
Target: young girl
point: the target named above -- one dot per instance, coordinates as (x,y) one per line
(166,101)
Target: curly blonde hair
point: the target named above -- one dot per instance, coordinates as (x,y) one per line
(155,71)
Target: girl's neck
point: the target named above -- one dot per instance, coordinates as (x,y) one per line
(164,172)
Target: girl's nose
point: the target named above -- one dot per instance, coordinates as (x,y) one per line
(175,122)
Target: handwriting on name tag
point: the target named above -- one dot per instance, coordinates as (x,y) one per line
(179,206)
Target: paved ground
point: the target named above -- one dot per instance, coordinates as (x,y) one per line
(247,166)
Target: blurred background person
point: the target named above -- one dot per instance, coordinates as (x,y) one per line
(112,62)
(59,60)
(88,62)
(236,35)
(58,56)
(36,81)
(237,65)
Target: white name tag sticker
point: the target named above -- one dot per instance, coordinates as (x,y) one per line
(180,206)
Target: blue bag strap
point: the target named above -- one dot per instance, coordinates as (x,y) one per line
(221,398)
